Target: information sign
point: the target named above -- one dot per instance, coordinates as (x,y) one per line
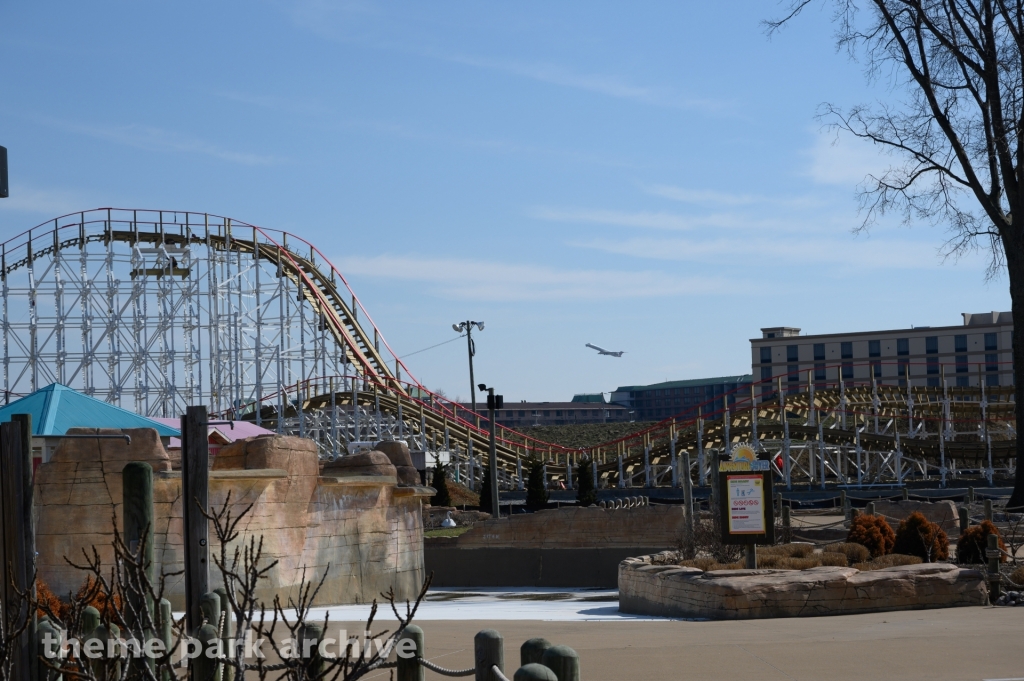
(746,503)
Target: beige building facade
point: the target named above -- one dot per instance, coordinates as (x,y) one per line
(978,351)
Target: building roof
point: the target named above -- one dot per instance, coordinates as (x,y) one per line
(589,398)
(222,432)
(692,383)
(57,408)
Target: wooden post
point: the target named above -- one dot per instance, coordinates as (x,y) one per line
(965,519)
(563,661)
(532,651)
(195,472)
(534,672)
(869,508)
(490,651)
(137,511)
(988,509)
(19,536)
(993,555)
(409,669)
(787,524)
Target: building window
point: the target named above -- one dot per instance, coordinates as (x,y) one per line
(961,343)
(874,348)
(846,350)
(963,381)
(819,372)
(933,382)
(847,369)
(793,371)
(902,346)
(904,369)
(819,351)
(792,353)
(522,414)
(991,342)
(558,413)
(766,355)
(992,379)
(766,373)
(933,365)
(931,345)
(876,369)
(961,364)
(992,362)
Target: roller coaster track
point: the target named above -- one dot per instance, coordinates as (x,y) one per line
(167,308)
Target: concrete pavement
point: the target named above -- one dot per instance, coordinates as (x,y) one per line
(956,644)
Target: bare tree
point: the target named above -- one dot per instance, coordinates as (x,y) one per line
(955,133)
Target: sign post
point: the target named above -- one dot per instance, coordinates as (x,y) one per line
(745,502)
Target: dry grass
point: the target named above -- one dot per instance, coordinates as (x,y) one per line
(802,556)
(855,553)
(888,561)
(833,559)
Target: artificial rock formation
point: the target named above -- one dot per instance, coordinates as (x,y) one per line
(360,523)
(672,591)
(398,453)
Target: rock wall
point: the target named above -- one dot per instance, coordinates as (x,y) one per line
(672,591)
(364,531)
(588,527)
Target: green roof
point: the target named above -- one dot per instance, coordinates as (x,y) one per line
(57,408)
(692,383)
(589,398)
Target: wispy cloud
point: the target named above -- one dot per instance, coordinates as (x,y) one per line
(658,219)
(50,202)
(602,84)
(746,252)
(845,161)
(496,281)
(718,198)
(151,138)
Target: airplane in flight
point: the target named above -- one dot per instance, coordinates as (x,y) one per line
(602,351)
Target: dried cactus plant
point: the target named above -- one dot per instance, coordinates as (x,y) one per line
(872,532)
(918,536)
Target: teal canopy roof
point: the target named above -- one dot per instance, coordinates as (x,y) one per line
(57,408)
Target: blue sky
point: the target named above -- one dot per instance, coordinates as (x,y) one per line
(649,179)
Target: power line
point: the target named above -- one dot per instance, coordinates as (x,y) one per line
(432,346)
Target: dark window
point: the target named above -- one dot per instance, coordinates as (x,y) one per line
(933,365)
(933,382)
(793,371)
(847,370)
(766,355)
(961,364)
(819,351)
(992,362)
(570,413)
(992,379)
(904,369)
(766,373)
(522,414)
(961,343)
(792,353)
(558,413)
(931,345)
(991,342)
(902,346)
(874,348)
(846,350)
(963,381)
(819,372)
(876,369)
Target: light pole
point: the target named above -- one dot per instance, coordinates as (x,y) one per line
(494,402)
(3,172)
(467,327)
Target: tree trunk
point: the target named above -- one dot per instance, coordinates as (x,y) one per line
(1015,271)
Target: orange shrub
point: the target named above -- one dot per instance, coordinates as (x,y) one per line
(872,532)
(49,602)
(970,548)
(917,536)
